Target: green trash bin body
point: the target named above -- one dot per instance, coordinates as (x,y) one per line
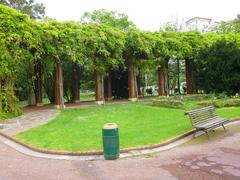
(110,141)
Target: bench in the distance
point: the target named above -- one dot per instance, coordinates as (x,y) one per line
(205,119)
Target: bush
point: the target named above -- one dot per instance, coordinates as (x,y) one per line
(220,103)
(196,97)
(8,102)
(167,102)
(188,97)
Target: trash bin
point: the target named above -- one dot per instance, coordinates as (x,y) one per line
(110,141)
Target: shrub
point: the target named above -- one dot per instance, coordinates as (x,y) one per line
(8,103)
(167,102)
(196,97)
(220,103)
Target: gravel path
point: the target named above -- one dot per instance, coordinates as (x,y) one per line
(218,158)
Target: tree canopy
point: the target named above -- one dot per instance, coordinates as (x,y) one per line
(109,18)
(30,7)
(105,40)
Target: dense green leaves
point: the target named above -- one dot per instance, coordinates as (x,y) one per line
(107,40)
(109,18)
(34,10)
(219,66)
(102,47)
(14,36)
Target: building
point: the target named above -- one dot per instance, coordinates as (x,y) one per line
(200,24)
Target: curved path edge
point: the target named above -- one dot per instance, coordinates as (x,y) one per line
(97,155)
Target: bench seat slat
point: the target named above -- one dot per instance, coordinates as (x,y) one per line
(205,118)
(211,123)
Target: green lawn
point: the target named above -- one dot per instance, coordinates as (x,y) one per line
(25,103)
(139,124)
(87,96)
(229,112)
(83,97)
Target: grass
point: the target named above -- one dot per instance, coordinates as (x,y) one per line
(139,124)
(90,96)
(229,112)
(80,129)
(6,116)
(25,102)
(83,97)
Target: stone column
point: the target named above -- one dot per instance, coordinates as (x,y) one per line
(75,83)
(58,86)
(132,82)
(38,83)
(99,88)
(189,89)
(107,88)
(161,81)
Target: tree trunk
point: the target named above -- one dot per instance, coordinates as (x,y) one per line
(132,82)
(161,81)
(188,70)
(38,82)
(167,85)
(178,76)
(139,85)
(99,86)
(107,88)
(31,99)
(75,83)
(1,89)
(58,86)
(8,88)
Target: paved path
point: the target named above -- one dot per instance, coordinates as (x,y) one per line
(218,158)
(29,120)
(34,116)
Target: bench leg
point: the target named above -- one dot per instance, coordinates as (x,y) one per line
(207,134)
(194,136)
(224,127)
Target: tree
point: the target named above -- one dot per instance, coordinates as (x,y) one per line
(138,47)
(16,42)
(30,7)
(230,26)
(192,43)
(103,46)
(220,64)
(170,49)
(109,18)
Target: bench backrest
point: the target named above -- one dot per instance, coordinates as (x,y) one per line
(202,115)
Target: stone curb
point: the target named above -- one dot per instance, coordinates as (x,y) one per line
(89,153)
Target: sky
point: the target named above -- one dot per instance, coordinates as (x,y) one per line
(146,14)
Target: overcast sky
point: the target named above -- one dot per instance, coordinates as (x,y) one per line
(146,14)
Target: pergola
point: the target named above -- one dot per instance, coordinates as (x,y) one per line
(103,87)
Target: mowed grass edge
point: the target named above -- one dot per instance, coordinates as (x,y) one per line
(139,124)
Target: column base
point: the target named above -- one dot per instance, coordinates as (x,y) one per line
(133,99)
(100,102)
(76,101)
(39,104)
(59,106)
(109,99)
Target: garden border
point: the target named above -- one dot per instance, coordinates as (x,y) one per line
(96,153)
